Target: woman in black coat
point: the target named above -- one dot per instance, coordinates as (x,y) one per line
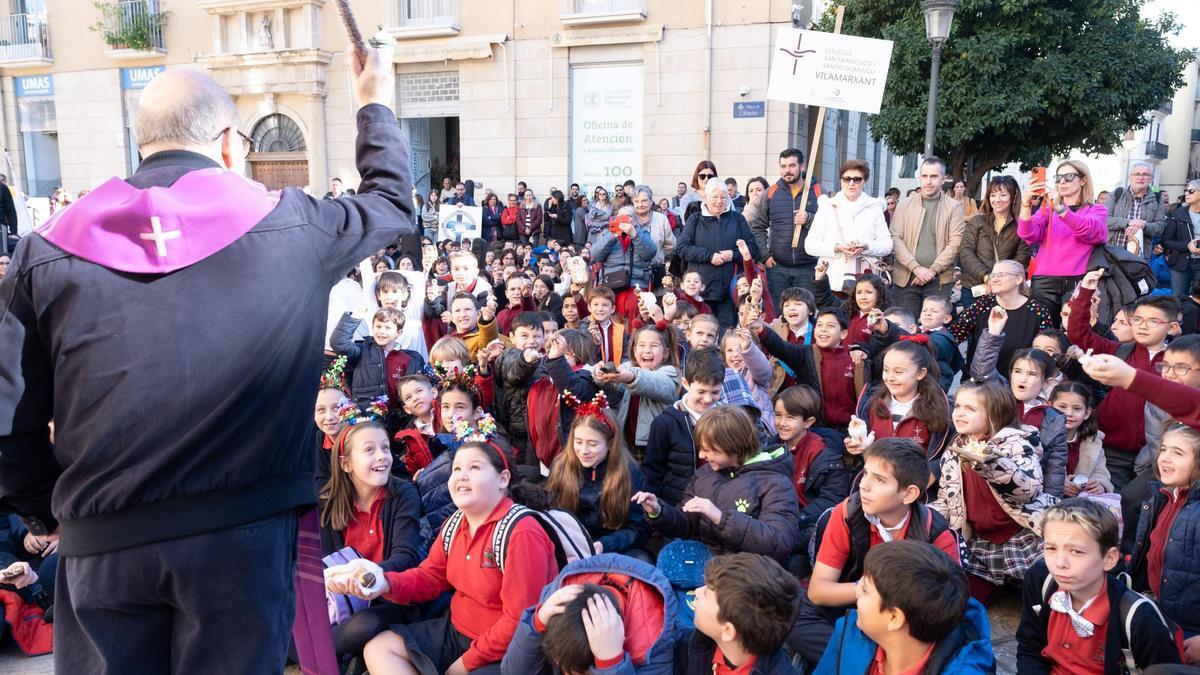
(558,219)
(708,245)
(1181,239)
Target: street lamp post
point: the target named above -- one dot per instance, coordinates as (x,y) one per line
(938,16)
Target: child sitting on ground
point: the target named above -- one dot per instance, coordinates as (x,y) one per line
(913,616)
(741,499)
(1078,617)
(743,613)
(888,505)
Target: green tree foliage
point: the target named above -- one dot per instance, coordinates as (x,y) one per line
(1021,80)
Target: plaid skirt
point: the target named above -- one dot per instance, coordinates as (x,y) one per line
(1003,563)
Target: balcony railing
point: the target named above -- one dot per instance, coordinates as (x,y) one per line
(581,12)
(24,38)
(134,27)
(1156,149)
(1166,108)
(424,18)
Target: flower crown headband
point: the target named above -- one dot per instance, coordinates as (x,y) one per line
(479,430)
(353,414)
(335,376)
(444,377)
(593,408)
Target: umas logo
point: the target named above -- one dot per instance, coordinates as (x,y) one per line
(742,505)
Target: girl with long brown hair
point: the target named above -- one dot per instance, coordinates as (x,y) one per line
(365,508)
(595,476)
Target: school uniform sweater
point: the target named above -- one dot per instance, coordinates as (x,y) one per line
(1122,413)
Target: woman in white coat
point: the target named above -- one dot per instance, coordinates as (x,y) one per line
(849,231)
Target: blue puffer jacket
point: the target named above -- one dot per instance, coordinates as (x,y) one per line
(1179,594)
(642,249)
(621,574)
(968,649)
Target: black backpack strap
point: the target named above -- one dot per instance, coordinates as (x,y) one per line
(450,529)
(860,538)
(1127,608)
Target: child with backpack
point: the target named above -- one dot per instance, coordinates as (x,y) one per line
(913,615)
(743,613)
(1164,555)
(607,614)
(489,592)
(594,478)
(378,363)
(741,499)
(888,505)
(1077,616)
(991,487)
(376,516)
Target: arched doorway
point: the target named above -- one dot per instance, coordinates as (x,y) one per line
(280,158)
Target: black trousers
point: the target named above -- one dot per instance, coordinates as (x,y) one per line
(219,602)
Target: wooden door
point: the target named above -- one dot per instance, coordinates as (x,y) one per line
(277,174)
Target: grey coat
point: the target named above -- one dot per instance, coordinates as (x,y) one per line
(1153,212)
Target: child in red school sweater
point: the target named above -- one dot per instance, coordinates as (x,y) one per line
(908,403)
(827,365)
(1121,414)
(489,592)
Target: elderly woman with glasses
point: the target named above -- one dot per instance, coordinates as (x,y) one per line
(1006,288)
(1065,229)
(849,231)
(709,246)
(1181,239)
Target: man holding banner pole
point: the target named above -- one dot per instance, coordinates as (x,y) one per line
(775,223)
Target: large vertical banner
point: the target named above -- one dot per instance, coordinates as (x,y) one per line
(606,124)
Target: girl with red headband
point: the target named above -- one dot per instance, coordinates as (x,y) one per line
(486,604)
(364,507)
(594,477)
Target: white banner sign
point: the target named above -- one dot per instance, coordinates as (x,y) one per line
(460,222)
(830,70)
(606,125)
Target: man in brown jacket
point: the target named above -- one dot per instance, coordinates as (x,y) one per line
(927,230)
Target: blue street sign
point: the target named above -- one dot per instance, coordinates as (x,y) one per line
(34,85)
(743,109)
(138,78)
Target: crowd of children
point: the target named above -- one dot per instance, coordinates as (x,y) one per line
(504,480)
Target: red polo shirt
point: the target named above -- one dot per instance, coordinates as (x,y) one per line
(486,605)
(1070,654)
(365,530)
(835,545)
(721,666)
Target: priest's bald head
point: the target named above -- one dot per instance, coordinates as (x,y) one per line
(187,110)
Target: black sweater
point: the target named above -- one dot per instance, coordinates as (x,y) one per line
(183,401)
(401,515)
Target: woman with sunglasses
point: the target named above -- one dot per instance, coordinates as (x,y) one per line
(1181,239)
(1065,230)
(991,236)
(704,172)
(849,231)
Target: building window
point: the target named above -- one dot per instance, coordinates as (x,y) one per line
(277,133)
(37,125)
